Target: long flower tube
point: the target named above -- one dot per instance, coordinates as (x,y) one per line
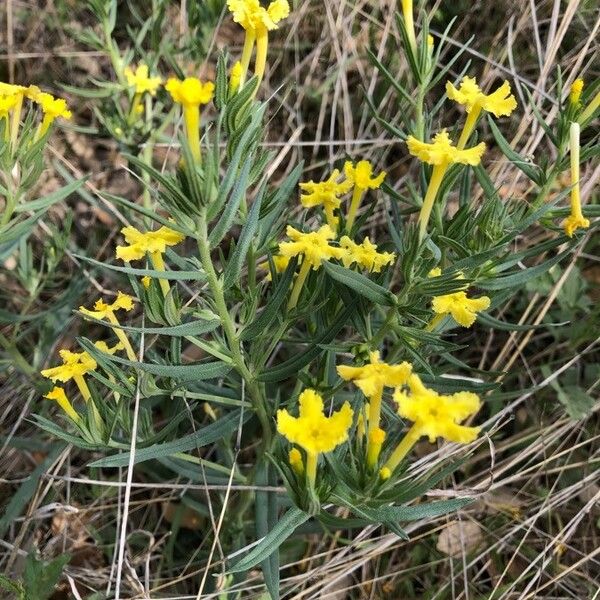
(575,220)
(433,415)
(441,153)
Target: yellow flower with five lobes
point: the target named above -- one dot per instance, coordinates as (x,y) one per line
(314,248)
(58,394)
(434,416)
(75,366)
(191,93)
(440,153)
(500,103)
(365,255)
(52,108)
(326,194)
(312,430)
(361,177)
(141,80)
(153,243)
(463,310)
(104,311)
(149,242)
(371,379)
(257,21)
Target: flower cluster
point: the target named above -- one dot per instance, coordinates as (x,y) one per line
(313,248)
(12,98)
(433,416)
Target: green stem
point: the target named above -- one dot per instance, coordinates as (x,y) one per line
(228,325)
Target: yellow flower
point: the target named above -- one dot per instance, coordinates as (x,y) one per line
(314,248)
(149,242)
(152,242)
(279,262)
(146,281)
(52,108)
(365,255)
(499,103)
(327,194)
(575,92)
(191,93)
(102,311)
(376,439)
(141,80)
(10,89)
(407,14)
(235,77)
(75,364)
(463,310)
(433,415)
(437,415)
(253,17)
(58,394)
(7,103)
(296,462)
(373,377)
(575,220)
(361,176)
(441,154)
(257,21)
(312,430)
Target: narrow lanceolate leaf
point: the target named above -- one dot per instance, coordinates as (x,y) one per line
(234,266)
(520,278)
(214,432)
(530,170)
(429,510)
(271,310)
(182,330)
(281,532)
(229,213)
(294,364)
(53,198)
(197,371)
(361,285)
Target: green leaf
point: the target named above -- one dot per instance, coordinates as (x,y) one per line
(266,520)
(229,213)
(182,330)
(532,171)
(221,428)
(361,284)
(40,577)
(234,266)
(429,510)
(284,528)
(298,362)
(170,275)
(521,277)
(53,198)
(270,311)
(196,371)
